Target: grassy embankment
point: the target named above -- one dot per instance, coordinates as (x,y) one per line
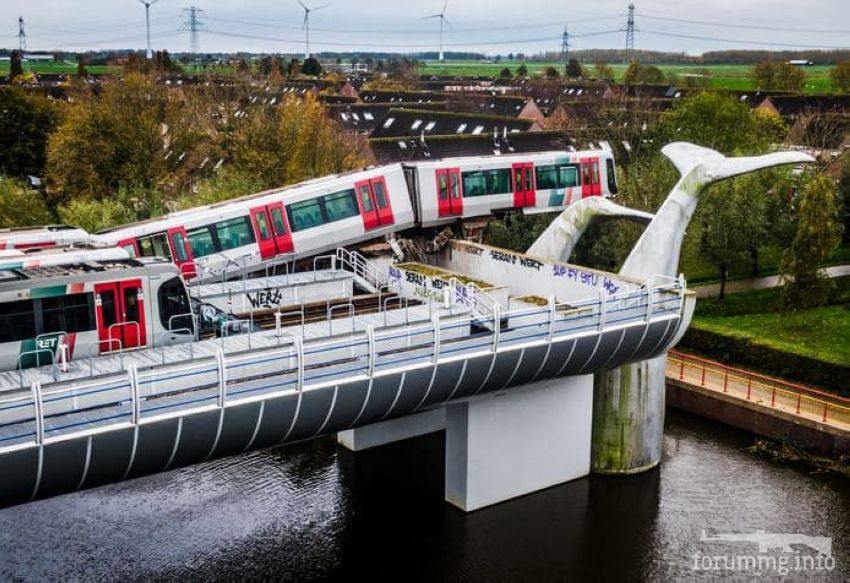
(722,76)
(752,330)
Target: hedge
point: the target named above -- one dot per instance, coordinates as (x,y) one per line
(770,361)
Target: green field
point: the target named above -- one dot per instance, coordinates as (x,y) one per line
(722,76)
(54,67)
(822,333)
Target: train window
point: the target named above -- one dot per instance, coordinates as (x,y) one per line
(443,184)
(263,225)
(558,176)
(234,233)
(455,185)
(498,181)
(179,247)
(17,321)
(547,177)
(366,199)
(277,221)
(305,214)
(612,176)
(174,309)
(380,194)
(77,312)
(155,246)
(567,176)
(340,205)
(201,242)
(107,304)
(474,184)
(131,304)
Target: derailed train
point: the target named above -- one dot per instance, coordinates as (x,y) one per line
(319,215)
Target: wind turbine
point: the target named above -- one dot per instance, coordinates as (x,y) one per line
(306,26)
(147,4)
(443,20)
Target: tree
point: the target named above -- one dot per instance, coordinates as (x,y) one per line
(522,71)
(818,233)
(720,122)
(15,68)
(505,73)
(22,207)
(603,70)
(242,67)
(311,67)
(778,76)
(26,121)
(81,66)
(637,73)
(294,68)
(574,69)
(840,75)
(552,72)
(94,215)
(844,197)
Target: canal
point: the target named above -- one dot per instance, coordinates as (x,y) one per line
(315,512)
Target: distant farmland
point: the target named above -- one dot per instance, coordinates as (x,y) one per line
(722,76)
(54,67)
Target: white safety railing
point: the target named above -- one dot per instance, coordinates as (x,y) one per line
(360,266)
(139,395)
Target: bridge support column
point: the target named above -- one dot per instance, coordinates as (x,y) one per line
(505,445)
(384,432)
(628,417)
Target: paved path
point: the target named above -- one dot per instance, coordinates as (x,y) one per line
(772,393)
(712,290)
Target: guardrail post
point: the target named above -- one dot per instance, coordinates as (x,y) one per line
(825,405)
(222,377)
(682,369)
(63,356)
(649,300)
(39,412)
(601,310)
(370,338)
(551,318)
(435,321)
(682,287)
(497,326)
(725,381)
(773,398)
(749,387)
(277,319)
(133,378)
(299,353)
(702,380)
(799,402)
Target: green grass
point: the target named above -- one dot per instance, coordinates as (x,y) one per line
(822,333)
(735,77)
(56,67)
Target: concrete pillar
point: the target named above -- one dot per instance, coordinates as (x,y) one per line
(384,432)
(628,417)
(505,445)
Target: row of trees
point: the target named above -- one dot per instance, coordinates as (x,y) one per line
(135,149)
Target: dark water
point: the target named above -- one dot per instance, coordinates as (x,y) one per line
(313,511)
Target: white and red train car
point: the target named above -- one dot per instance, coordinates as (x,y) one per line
(48,236)
(319,215)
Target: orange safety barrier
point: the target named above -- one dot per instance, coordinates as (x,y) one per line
(782,395)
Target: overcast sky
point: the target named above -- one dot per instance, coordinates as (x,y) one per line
(490,26)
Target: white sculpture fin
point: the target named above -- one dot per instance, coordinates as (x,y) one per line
(560,237)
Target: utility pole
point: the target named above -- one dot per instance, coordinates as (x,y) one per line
(630,33)
(147,4)
(22,36)
(565,46)
(194,25)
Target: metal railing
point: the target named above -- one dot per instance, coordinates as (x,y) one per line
(770,392)
(140,395)
(360,266)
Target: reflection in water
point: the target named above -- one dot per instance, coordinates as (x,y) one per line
(313,511)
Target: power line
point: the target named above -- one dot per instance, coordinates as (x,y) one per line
(743,26)
(194,25)
(742,41)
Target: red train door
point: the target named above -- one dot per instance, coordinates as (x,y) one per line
(368,207)
(120,310)
(381,198)
(594,176)
(524,194)
(263,230)
(280,228)
(181,252)
(449,193)
(586,180)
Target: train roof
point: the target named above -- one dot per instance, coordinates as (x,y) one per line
(54,275)
(39,229)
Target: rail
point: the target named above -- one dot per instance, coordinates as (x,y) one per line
(360,266)
(778,394)
(139,395)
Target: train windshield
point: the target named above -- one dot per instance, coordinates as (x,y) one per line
(612,176)
(175,312)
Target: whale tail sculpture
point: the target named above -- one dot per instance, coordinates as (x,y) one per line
(628,401)
(657,250)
